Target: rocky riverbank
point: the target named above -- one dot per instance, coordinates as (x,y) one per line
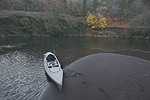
(103,76)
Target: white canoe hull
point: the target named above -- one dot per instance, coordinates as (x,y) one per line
(55,73)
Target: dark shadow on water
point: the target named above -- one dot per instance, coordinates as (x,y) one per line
(48,78)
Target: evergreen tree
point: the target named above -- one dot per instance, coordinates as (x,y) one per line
(85,9)
(121,7)
(28,4)
(70,6)
(95,4)
(65,4)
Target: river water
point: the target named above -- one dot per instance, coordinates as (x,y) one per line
(22,73)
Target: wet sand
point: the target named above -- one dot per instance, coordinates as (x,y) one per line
(104,76)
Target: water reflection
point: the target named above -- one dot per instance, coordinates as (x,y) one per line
(21,59)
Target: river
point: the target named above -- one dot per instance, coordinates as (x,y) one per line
(22,73)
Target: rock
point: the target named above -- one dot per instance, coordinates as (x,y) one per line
(104,76)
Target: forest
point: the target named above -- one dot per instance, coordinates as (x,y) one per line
(75,16)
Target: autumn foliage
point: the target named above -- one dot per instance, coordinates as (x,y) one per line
(96,22)
(115,22)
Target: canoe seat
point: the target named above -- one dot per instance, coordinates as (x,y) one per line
(52,64)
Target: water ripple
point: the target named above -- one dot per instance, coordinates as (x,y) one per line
(22,76)
(119,49)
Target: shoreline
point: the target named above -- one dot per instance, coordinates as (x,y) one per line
(109,32)
(24,24)
(81,35)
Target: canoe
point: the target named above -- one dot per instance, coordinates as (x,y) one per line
(53,68)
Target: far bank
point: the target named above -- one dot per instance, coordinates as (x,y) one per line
(35,24)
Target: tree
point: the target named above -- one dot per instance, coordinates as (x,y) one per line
(52,7)
(65,5)
(78,8)
(142,21)
(27,4)
(36,5)
(3,4)
(96,22)
(95,4)
(42,6)
(113,7)
(70,6)
(85,8)
(121,7)
(91,19)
